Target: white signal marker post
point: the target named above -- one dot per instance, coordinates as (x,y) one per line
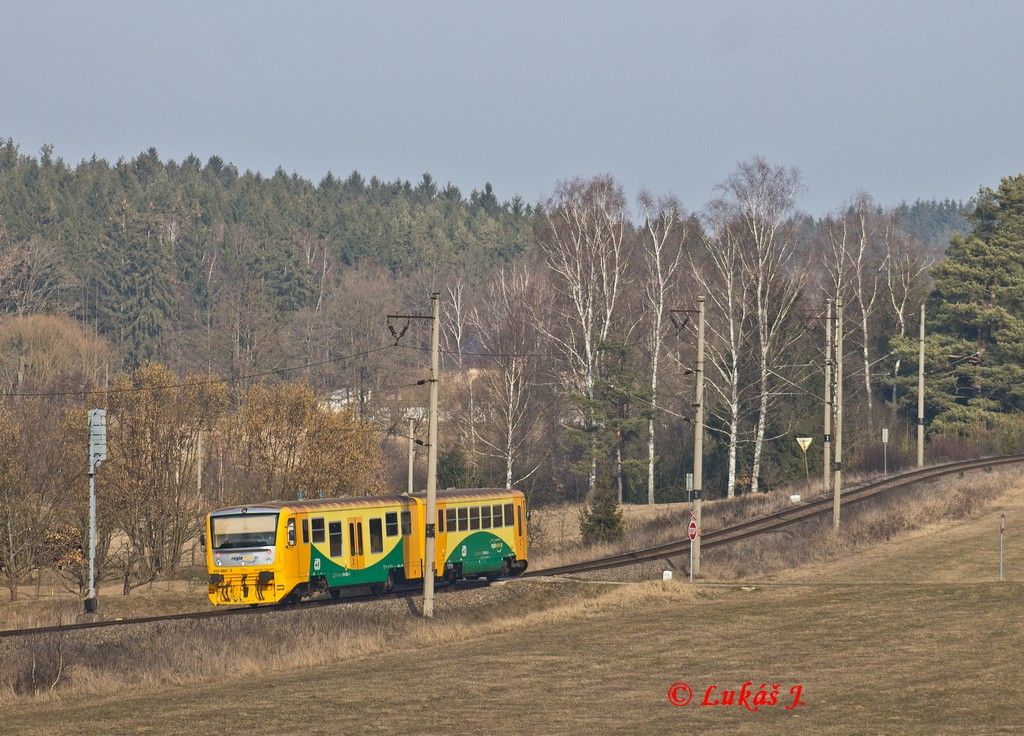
(691,532)
(885,450)
(97,454)
(1002,530)
(431,511)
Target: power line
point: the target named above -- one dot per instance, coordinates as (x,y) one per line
(486,355)
(203,382)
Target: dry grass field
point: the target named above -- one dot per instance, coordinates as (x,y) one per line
(908,635)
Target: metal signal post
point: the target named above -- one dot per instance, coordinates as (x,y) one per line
(97,454)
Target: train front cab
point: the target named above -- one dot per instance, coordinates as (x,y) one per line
(253,555)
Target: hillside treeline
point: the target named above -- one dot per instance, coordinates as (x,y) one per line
(567,325)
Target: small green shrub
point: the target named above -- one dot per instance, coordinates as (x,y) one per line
(602,521)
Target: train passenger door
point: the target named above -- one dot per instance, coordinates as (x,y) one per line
(440,541)
(355,543)
(520,530)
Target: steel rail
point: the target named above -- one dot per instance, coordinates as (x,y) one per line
(779,519)
(224,612)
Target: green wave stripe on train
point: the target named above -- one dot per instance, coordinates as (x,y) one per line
(480,552)
(338,575)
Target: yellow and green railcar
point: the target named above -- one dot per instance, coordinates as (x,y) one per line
(284,551)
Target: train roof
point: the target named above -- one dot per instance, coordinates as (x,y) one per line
(472,494)
(330,504)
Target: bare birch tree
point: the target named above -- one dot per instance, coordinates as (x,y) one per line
(721,276)
(906,279)
(762,199)
(455,319)
(854,264)
(502,323)
(584,245)
(662,243)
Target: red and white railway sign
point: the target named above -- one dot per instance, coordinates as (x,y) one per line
(691,530)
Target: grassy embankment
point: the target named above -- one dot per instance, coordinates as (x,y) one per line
(911,635)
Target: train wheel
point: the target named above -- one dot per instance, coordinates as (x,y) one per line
(335,593)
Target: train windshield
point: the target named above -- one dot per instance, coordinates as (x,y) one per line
(243,531)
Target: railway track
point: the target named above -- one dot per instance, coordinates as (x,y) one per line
(780,519)
(745,530)
(226,612)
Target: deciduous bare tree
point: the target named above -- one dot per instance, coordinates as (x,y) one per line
(503,325)
(31,277)
(906,268)
(720,271)
(854,262)
(762,199)
(584,242)
(154,438)
(664,233)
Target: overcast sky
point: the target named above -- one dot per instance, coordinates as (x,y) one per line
(902,99)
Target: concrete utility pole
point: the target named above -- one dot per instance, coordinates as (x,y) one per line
(920,393)
(412,452)
(431,512)
(826,465)
(698,434)
(838,487)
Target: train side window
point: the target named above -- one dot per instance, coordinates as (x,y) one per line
(463,519)
(440,520)
(485,517)
(509,515)
(519,520)
(497,516)
(450,519)
(318,530)
(406,523)
(474,517)
(305,531)
(335,529)
(391,523)
(359,537)
(376,536)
